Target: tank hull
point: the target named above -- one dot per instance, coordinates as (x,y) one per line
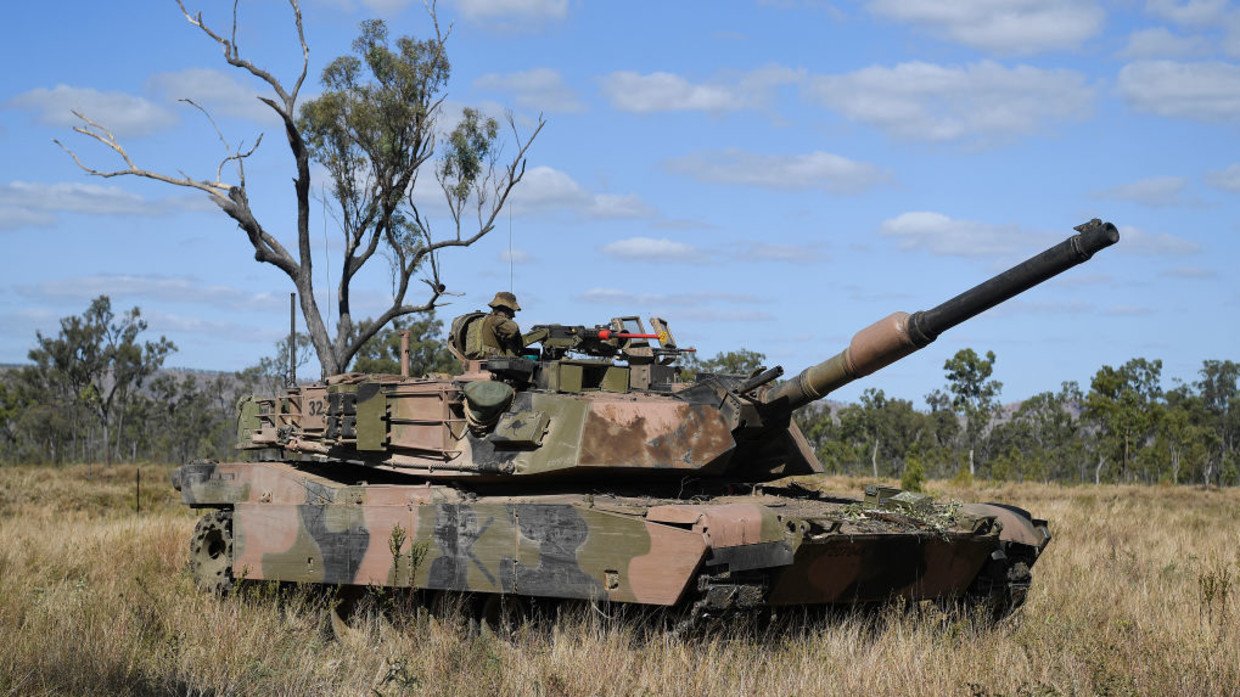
(774,547)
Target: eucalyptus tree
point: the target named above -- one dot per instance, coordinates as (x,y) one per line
(378,123)
(974,396)
(97,361)
(1220,392)
(428,349)
(1125,405)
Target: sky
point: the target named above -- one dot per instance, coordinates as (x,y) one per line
(771,175)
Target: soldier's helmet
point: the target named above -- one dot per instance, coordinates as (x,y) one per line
(505,299)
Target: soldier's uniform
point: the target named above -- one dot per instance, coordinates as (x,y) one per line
(501,335)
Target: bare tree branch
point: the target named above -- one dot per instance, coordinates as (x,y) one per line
(233,55)
(237,155)
(231,199)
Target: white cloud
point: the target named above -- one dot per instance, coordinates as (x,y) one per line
(34,204)
(72,198)
(791,253)
(1204,91)
(518,10)
(651,249)
(935,102)
(121,113)
(815,170)
(221,330)
(1137,241)
(13,218)
(824,6)
(387,7)
(541,89)
(716,315)
(615,296)
(181,289)
(942,235)
(617,206)
(661,91)
(1128,311)
(1011,27)
(515,256)
(545,189)
(1057,308)
(1230,43)
(1227,179)
(699,307)
(217,92)
(1159,42)
(1153,191)
(1190,273)
(1189,11)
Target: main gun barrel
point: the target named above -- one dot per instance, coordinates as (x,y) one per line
(900,334)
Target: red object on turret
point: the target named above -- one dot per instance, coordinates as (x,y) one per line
(606,334)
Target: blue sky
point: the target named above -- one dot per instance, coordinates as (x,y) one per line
(768,175)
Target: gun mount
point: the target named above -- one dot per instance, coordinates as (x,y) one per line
(586,468)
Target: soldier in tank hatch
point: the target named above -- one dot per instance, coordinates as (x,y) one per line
(500,332)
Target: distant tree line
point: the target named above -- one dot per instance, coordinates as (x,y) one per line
(98,393)
(1127,427)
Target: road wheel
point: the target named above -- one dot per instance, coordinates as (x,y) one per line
(211,553)
(1000,589)
(503,613)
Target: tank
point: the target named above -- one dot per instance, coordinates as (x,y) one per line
(587,470)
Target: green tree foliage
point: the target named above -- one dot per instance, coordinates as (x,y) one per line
(188,417)
(1124,404)
(914,477)
(1043,438)
(271,373)
(97,360)
(740,362)
(876,436)
(1184,441)
(96,391)
(974,396)
(428,349)
(11,406)
(1220,394)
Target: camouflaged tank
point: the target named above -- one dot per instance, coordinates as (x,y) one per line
(587,470)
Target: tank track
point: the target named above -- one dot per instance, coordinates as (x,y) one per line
(1003,585)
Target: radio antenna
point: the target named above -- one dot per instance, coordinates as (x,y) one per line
(292,339)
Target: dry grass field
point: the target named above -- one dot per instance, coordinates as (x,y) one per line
(1136,595)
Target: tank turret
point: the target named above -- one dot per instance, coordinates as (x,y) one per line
(586,468)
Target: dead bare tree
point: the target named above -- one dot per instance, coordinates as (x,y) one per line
(374,127)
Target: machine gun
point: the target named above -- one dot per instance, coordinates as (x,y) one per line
(623,337)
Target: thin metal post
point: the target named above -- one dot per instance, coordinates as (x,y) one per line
(137,491)
(404,354)
(292,339)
